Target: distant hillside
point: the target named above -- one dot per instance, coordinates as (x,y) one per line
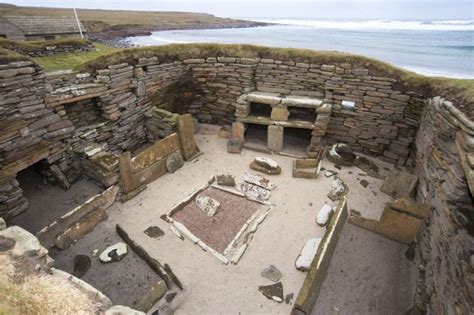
(107,24)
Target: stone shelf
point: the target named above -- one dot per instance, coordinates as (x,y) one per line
(259,120)
(277,99)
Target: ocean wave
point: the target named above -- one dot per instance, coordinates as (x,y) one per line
(447,25)
(153,40)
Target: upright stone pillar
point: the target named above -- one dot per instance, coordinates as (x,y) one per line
(275,138)
(238,131)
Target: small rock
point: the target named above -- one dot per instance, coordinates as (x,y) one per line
(3,224)
(273,292)
(338,189)
(170,297)
(364,183)
(207,205)
(225,180)
(174,162)
(82,263)
(341,154)
(272,273)
(95,252)
(330,173)
(324,215)
(289,298)
(113,253)
(154,232)
(338,167)
(234,146)
(306,256)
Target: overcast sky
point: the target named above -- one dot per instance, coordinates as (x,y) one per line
(364,9)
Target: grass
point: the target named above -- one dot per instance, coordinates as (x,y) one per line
(97,20)
(25,291)
(39,45)
(72,60)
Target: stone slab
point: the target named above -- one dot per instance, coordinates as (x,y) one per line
(186,136)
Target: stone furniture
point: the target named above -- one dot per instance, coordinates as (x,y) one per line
(290,111)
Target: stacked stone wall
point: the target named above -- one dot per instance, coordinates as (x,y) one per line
(35,125)
(445,167)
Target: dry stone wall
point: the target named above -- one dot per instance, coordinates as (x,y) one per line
(445,167)
(42,119)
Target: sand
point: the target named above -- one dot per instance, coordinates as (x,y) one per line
(210,286)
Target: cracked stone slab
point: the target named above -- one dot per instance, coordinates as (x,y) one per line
(305,258)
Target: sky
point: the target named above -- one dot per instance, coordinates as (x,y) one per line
(333,9)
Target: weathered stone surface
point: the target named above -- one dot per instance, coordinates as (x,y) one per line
(275,138)
(25,242)
(154,232)
(153,296)
(399,184)
(324,215)
(225,180)
(3,224)
(114,253)
(280,113)
(82,264)
(254,191)
(6,243)
(306,256)
(234,146)
(366,165)
(272,273)
(238,131)
(186,136)
(341,154)
(174,162)
(209,206)
(272,292)
(265,165)
(259,180)
(338,189)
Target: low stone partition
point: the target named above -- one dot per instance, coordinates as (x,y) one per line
(12,201)
(47,48)
(314,279)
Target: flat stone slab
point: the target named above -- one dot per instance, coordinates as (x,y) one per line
(259,168)
(114,253)
(259,180)
(225,180)
(272,292)
(254,191)
(272,273)
(208,205)
(154,232)
(305,258)
(399,184)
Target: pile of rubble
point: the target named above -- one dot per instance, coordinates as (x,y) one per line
(160,123)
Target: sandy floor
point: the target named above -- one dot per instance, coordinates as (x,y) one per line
(211,287)
(369,274)
(48,202)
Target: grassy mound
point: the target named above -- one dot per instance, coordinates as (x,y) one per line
(33,46)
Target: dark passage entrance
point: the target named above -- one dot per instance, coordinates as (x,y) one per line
(296,140)
(47,201)
(256,136)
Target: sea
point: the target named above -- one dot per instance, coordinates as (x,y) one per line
(432,48)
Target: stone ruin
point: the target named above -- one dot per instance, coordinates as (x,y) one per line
(119,124)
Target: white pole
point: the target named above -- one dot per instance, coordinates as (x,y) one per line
(78,23)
